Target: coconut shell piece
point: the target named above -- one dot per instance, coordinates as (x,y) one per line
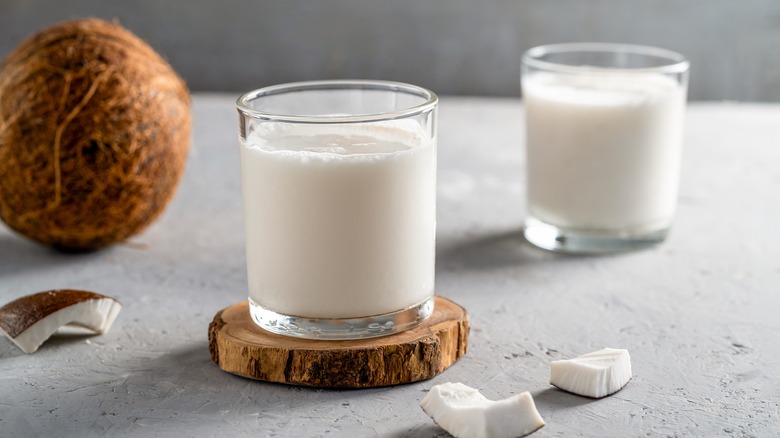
(465,413)
(94,134)
(597,374)
(32,319)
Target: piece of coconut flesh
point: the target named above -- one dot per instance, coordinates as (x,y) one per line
(595,374)
(31,320)
(465,413)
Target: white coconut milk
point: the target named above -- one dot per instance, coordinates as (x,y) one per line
(603,150)
(340,220)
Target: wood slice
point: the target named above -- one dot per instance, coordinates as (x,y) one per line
(237,345)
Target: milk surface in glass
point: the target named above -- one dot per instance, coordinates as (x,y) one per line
(603,149)
(340,219)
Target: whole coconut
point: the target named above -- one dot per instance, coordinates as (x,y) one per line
(94,135)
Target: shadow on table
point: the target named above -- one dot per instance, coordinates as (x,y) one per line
(489,251)
(426,431)
(554,399)
(19,255)
(8,349)
(186,381)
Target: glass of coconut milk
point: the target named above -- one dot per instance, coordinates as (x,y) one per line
(604,126)
(339,192)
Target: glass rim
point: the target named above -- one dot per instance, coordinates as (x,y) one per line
(430,100)
(678,63)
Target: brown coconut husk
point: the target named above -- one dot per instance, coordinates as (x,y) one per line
(94,135)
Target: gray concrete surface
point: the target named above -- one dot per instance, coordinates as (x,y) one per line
(699,314)
(451,46)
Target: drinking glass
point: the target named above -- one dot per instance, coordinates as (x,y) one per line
(604,129)
(339,192)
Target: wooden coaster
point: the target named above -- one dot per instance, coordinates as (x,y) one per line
(237,345)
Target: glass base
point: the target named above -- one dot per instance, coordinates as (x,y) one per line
(579,241)
(341,328)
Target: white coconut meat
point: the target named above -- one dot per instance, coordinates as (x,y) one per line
(31,320)
(595,374)
(465,413)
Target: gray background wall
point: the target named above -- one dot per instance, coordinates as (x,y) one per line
(451,46)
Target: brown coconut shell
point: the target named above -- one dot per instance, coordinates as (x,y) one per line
(94,135)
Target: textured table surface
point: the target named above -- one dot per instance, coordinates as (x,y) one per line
(700,314)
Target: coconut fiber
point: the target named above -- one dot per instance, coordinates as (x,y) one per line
(94,134)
